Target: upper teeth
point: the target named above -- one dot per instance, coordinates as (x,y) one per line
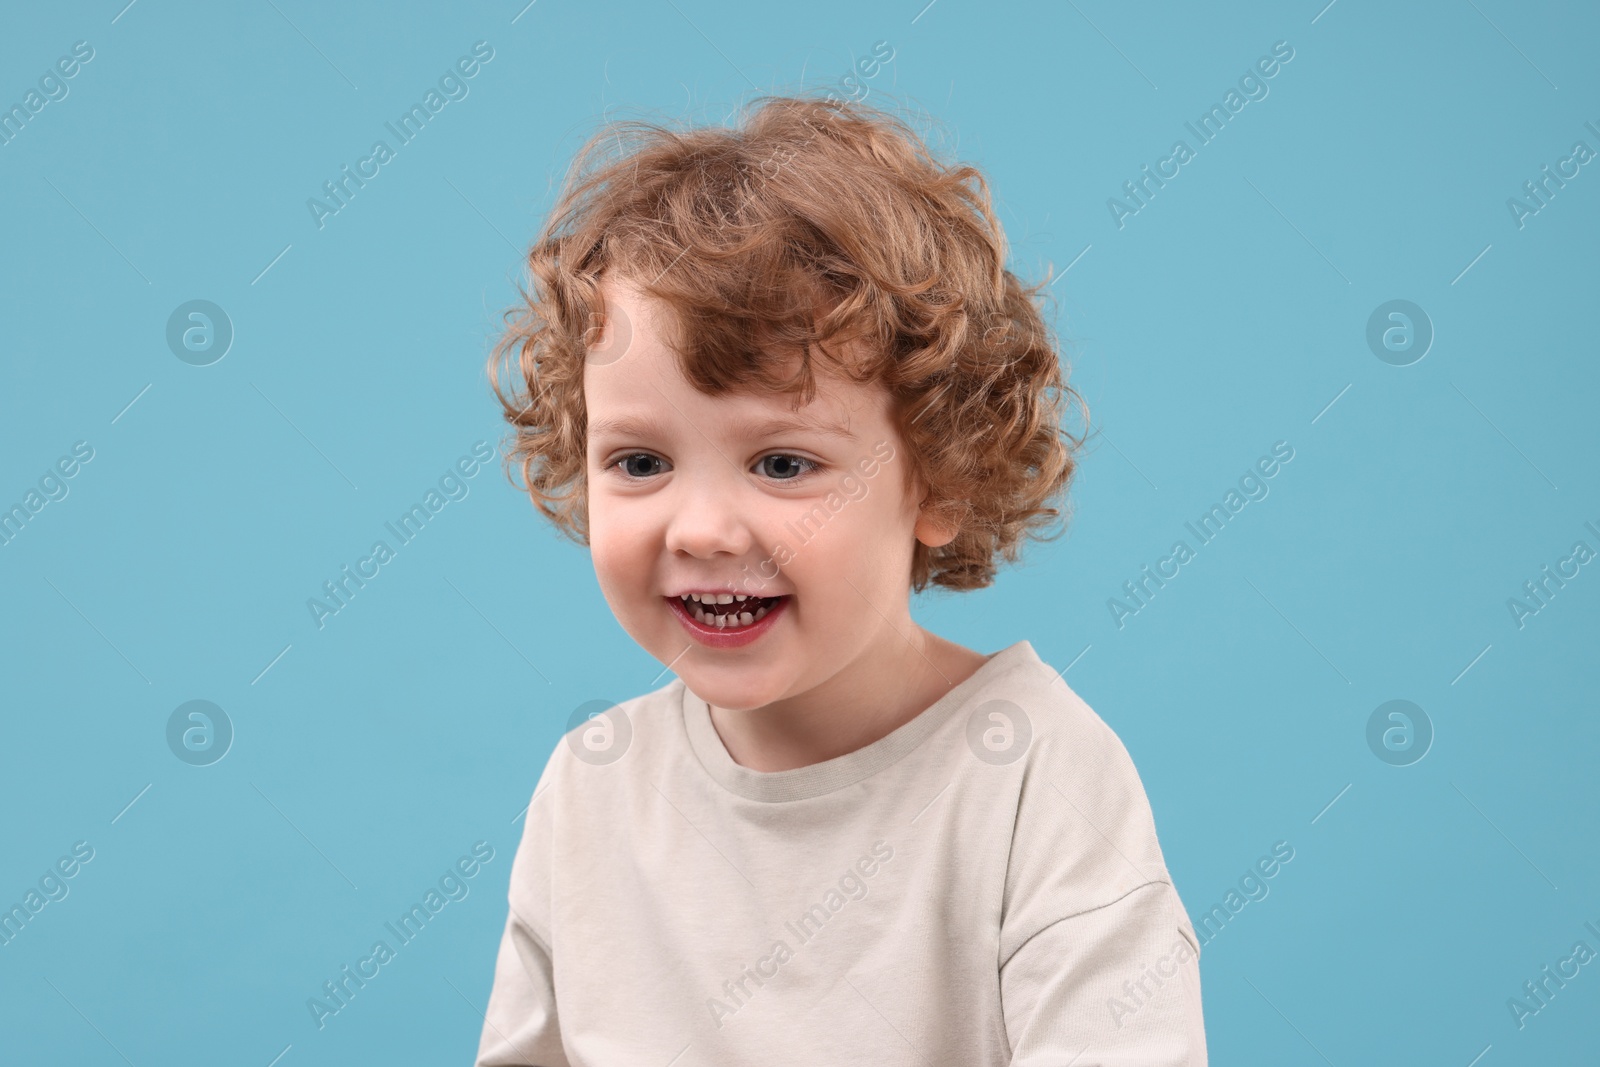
(693,604)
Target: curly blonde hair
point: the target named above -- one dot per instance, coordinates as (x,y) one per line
(810,223)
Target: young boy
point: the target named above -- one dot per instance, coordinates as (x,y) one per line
(777,378)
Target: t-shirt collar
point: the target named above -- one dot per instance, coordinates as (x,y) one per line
(801,783)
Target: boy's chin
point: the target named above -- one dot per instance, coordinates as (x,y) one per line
(731,688)
(722,695)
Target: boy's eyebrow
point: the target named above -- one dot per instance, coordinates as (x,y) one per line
(645,426)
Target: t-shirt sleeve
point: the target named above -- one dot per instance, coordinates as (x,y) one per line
(521,1026)
(1118,986)
(1099,966)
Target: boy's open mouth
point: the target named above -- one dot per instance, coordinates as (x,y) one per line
(737,611)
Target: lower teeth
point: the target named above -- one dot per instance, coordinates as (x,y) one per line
(724,622)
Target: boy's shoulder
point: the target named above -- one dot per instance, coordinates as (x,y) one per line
(1083,819)
(1028,711)
(616,737)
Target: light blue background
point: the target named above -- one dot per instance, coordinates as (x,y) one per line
(1226,315)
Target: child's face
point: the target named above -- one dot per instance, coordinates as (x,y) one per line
(695,496)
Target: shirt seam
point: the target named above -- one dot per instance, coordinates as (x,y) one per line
(1080,914)
(1183,987)
(533,932)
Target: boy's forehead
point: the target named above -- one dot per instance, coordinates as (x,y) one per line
(636,408)
(635,374)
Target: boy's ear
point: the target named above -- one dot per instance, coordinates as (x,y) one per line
(935,533)
(930,530)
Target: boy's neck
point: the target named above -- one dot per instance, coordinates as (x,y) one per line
(866,701)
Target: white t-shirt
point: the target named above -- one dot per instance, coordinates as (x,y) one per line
(982,886)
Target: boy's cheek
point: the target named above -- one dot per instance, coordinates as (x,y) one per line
(610,563)
(611,569)
(629,580)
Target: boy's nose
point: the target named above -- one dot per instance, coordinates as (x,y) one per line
(706,520)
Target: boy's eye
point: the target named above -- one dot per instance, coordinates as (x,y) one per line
(636,465)
(788,467)
(779,466)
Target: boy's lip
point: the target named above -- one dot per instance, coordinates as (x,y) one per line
(716,638)
(725,590)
